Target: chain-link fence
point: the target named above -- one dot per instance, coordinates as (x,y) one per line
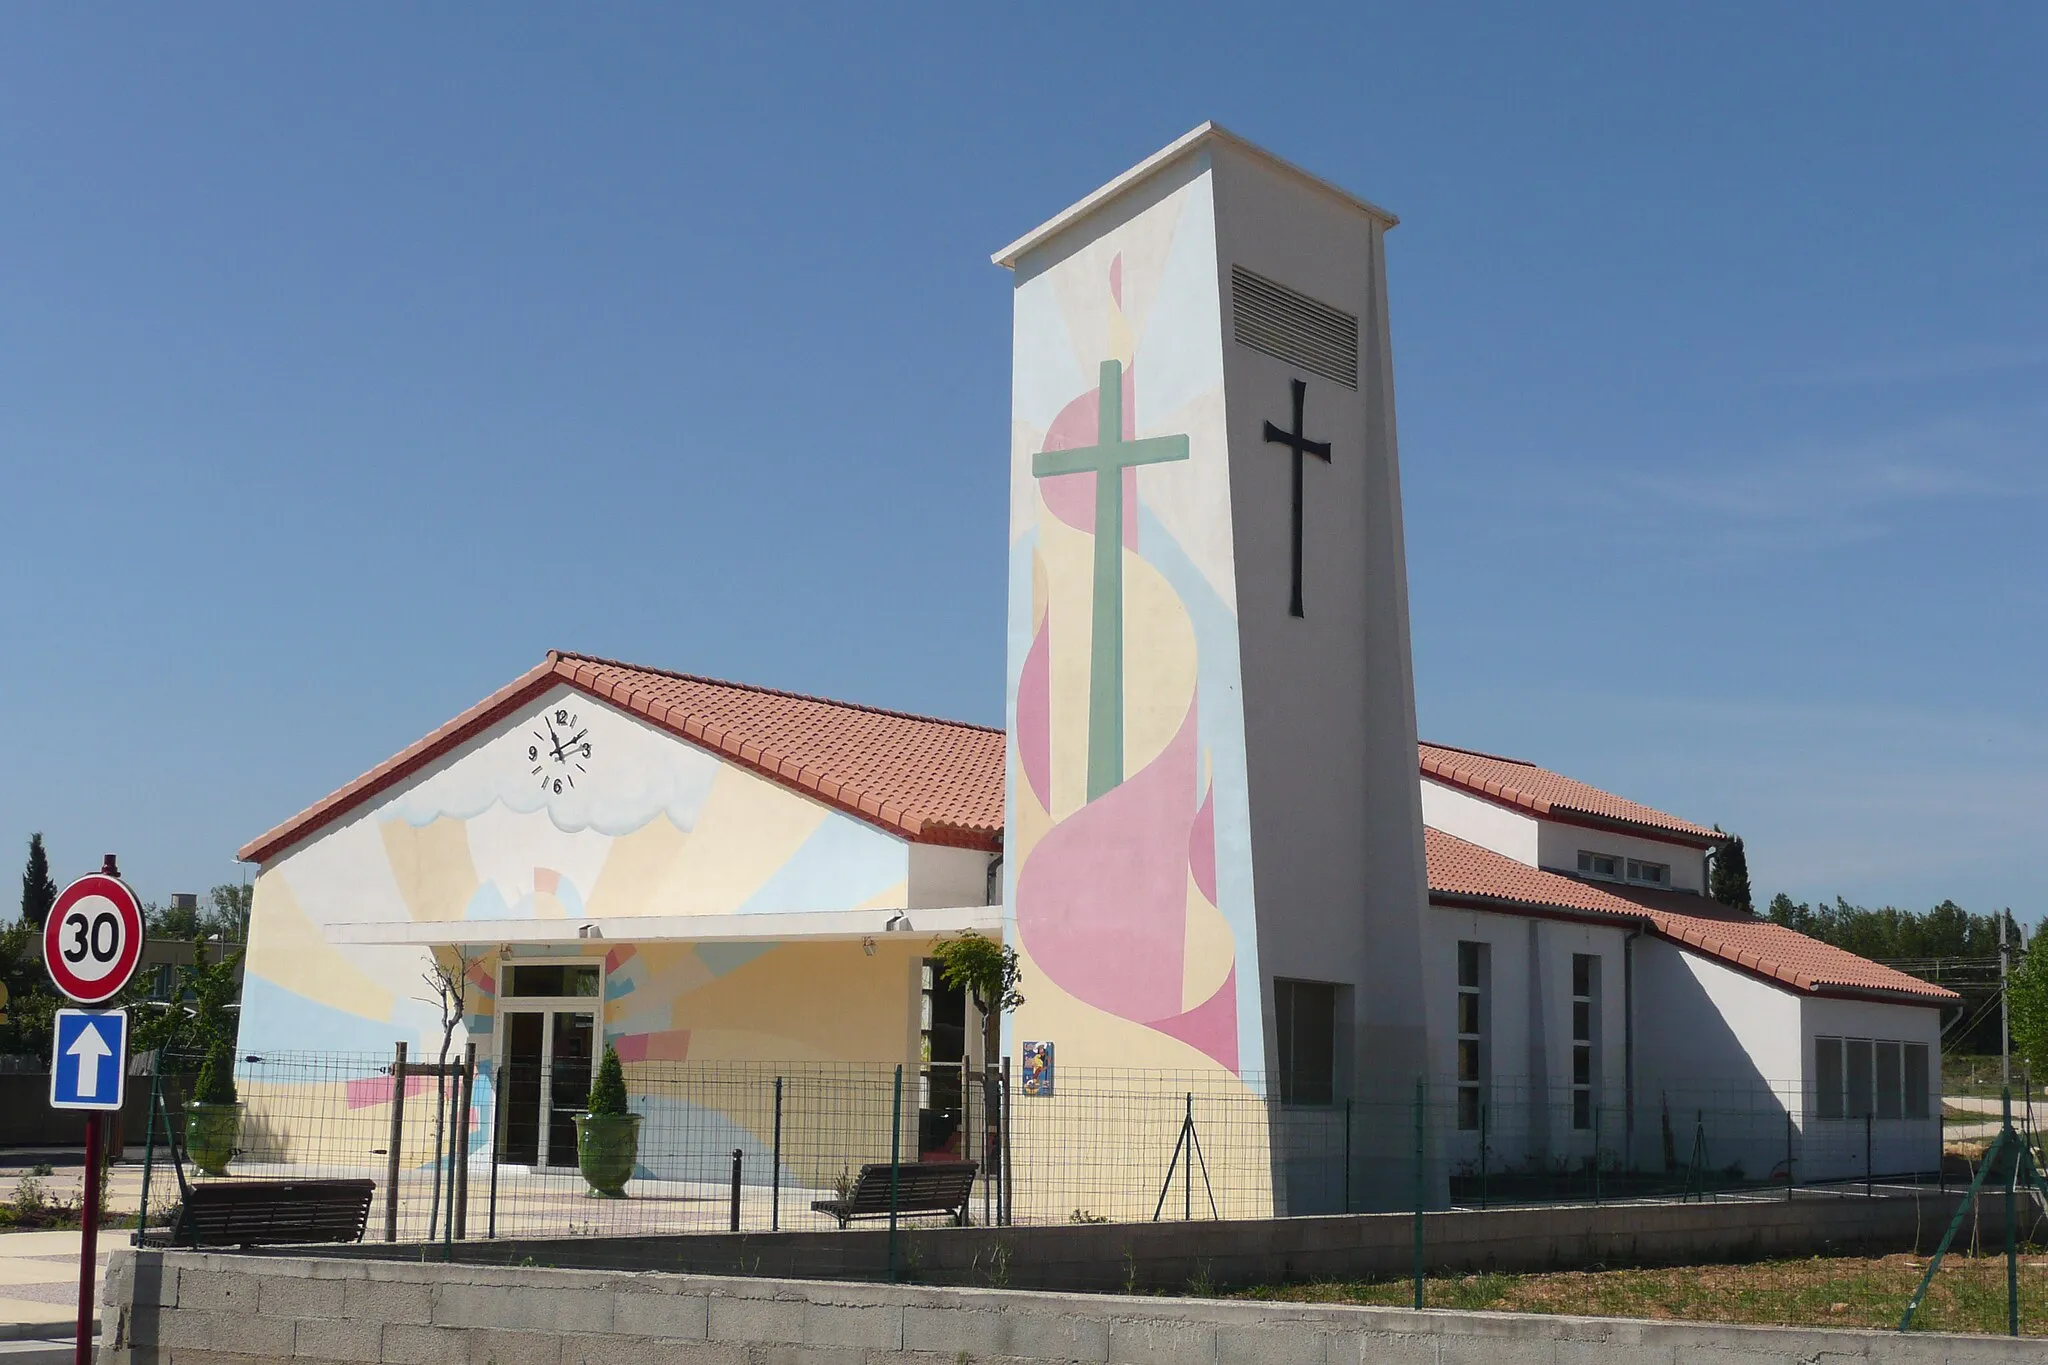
(756,1145)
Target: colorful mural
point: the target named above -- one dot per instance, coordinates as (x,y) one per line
(649,825)
(1128,841)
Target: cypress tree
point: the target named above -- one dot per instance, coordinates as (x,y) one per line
(38,891)
(1728,882)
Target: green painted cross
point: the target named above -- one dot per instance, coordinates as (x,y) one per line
(1106,460)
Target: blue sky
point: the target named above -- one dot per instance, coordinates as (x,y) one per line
(351,358)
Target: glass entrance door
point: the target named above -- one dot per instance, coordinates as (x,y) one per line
(547,1067)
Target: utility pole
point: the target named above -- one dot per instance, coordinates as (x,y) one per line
(2004,1007)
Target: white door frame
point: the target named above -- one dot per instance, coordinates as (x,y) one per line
(547,1006)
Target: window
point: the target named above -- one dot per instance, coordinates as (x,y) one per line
(1916,1080)
(1855,1078)
(1605,866)
(1827,1078)
(553,978)
(1585,1037)
(1472,1020)
(1307,1015)
(1858,1051)
(1649,874)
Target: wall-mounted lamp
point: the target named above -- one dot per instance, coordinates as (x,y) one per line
(589,931)
(898,923)
(867,945)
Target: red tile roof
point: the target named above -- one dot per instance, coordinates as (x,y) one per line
(1464,875)
(1513,782)
(929,781)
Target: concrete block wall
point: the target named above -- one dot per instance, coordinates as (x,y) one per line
(1168,1256)
(194,1308)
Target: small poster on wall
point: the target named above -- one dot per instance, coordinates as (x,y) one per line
(1038,1069)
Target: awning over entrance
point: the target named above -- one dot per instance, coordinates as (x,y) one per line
(812,926)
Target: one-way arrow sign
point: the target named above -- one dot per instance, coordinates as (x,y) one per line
(90,1068)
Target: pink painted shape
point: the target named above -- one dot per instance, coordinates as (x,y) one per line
(1034,718)
(666,1045)
(377,1090)
(1202,845)
(1102,898)
(618,957)
(1071,497)
(1210,1026)
(546,880)
(482,979)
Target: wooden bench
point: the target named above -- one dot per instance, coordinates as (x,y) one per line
(249,1213)
(921,1187)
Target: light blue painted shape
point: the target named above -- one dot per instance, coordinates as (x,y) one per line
(721,958)
(842,864)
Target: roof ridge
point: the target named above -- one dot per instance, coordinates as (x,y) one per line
(556,655)
(1481,753)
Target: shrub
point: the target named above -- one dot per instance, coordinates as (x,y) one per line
(608,1088)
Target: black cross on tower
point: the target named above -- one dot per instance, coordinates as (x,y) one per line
(1301,446)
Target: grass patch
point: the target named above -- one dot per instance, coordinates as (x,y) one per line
(1968,1294)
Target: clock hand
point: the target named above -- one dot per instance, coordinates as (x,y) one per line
(557,739)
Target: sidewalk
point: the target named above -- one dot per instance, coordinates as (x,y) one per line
(39,1270)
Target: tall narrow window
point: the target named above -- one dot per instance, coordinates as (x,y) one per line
(1827,1078)
(1585,1037)
(1859,1068)
(1890,1082)
(1472,1012)
(1916,1080)
(1307,1016)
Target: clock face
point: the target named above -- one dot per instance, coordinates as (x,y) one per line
(558,750)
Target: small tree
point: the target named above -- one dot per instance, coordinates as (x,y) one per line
(2028,997)
(1728,882)
(448,977)
(987,970)
(205,1028)
(608,1087)
(230,914)
(38,891)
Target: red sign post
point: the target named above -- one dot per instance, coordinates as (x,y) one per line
(91,943)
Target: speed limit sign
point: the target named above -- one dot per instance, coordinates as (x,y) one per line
(92,938)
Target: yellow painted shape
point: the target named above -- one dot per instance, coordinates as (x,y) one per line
(1210,950)
(1159,663)
(748,829)
(1069,561)
(432,866)
(1038,592)
(286,948)
(635,864)
(1028,822)
(547,905)
(805,1001)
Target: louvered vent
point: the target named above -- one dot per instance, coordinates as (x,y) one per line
(1293,327)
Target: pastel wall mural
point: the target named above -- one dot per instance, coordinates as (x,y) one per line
(637,823)
(1128,843)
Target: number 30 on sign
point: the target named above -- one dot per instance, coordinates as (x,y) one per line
(93,938)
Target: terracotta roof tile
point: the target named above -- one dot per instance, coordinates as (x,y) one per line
(930,781)
(1513,782)
(1463,873)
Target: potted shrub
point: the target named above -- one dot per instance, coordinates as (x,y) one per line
(607,1136)
(213,1120)
(201,1024)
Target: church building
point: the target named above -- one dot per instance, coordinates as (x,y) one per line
(1207,826)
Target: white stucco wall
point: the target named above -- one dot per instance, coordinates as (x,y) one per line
(1837,1147)
(1485,823)
(1558,845)
(1529,1036)
(947,878)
